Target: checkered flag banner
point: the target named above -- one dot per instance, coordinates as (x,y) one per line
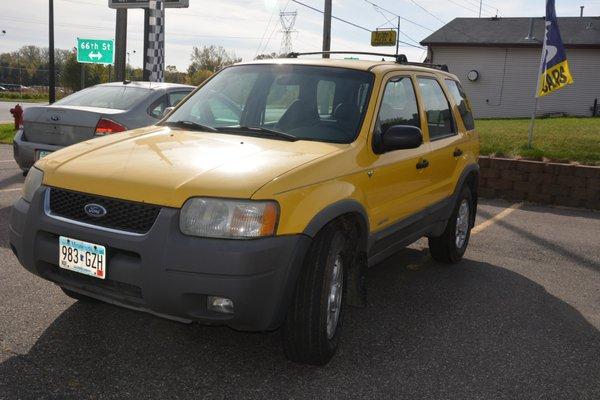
(155,57)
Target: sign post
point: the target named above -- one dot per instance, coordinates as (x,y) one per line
(95,51)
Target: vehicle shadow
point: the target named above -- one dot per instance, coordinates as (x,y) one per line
(430,331)
(4,216)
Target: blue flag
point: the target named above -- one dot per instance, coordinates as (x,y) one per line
(554,69)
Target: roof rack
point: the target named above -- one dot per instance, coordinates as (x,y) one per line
(400,58)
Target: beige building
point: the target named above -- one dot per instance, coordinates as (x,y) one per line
(498,59)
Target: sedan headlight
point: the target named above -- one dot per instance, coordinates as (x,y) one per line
(233,219)
(32,183)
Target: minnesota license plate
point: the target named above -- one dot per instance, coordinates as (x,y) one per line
(42,154)
(83,257)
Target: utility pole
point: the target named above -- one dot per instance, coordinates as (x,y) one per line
(480,5)
(398,37)
(51,66)
(327,28)
(120,44)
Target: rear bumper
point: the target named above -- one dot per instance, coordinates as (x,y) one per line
(25,152)
(165,272)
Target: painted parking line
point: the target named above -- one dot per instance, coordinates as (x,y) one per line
(3,161)
(503,214)
(10,190)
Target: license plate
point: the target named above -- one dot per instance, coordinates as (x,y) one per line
(42,154)
(83,257)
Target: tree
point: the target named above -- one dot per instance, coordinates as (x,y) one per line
(268,56)
(174,76)
(198,77)
(210,58)
(70,76)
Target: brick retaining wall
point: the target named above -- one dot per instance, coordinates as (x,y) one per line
(540,182)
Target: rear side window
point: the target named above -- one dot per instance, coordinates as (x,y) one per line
(157,109)
(399,104)
(115,97)
(176,97)
(437,109)
(464,107)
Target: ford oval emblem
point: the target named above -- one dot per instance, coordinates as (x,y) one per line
(55,118)
(95,210)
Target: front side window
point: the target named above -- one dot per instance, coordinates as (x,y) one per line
(464,106)
(398,105)
(437,109)
(302,102)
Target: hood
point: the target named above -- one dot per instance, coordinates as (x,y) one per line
(166,166)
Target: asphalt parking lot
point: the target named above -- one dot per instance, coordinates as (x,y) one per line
(519,318)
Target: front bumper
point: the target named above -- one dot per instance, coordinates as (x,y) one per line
(165,272)
(25,152)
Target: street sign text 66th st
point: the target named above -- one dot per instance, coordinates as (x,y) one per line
(95,51)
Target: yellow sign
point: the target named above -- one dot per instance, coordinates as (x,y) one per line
(383,38)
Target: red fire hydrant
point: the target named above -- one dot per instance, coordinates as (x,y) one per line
(17,113)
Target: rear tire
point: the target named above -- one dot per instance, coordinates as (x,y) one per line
(313,325)
(78,296)
(450,247)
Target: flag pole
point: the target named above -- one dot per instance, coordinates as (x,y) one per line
(537,91)
(532,123)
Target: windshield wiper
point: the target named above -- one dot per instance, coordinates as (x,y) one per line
(260,130)
(191,124)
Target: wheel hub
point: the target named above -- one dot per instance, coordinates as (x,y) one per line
(462,224)
(334,300)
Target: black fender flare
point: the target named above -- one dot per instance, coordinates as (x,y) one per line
(336,210)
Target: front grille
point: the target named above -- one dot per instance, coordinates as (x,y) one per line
(121,215)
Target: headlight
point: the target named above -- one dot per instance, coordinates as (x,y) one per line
(220,218)
(32,183)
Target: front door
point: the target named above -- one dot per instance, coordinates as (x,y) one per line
(398,179)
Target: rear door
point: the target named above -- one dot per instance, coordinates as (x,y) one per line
(444,137)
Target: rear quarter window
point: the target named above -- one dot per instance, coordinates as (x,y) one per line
(464,106)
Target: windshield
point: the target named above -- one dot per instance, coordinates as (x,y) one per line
(115,97)
(303,102)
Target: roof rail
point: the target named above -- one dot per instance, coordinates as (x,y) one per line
(399,58)
(441,67)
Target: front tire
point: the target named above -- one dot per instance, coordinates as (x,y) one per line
(313,325)
(450,247)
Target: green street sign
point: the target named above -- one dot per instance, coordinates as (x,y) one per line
(95,51)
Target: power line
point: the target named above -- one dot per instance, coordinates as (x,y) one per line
(350,23)
(399,16)
(267,28)
(427,11)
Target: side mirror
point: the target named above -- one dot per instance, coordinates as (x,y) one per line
(167,111)
(399,137)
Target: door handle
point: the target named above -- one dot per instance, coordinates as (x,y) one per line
(422,164)
(457,153)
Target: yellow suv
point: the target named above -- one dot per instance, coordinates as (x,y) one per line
(258,202)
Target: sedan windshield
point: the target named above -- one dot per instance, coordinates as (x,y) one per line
(297,101)
(115,97)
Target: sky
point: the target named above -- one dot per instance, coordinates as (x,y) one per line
(250,27)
